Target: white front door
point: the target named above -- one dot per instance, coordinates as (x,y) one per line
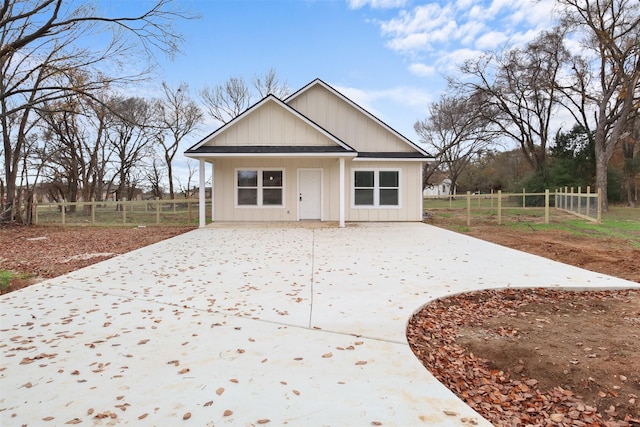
(310,193)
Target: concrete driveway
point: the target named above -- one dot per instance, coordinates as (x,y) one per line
(250,325)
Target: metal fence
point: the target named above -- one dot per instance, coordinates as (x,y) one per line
(585,205)
(135,212)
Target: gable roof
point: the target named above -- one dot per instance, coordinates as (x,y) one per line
(319,82)
(201,147)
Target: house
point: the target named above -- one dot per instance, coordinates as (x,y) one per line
(439,185)
(315,155)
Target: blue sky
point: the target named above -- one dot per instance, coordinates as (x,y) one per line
(389,56)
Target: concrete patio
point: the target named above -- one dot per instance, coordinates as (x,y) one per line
(249,325)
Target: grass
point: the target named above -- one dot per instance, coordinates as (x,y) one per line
(618,223)
(5,278)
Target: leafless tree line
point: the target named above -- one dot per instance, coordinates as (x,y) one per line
(516,93)
(67,125)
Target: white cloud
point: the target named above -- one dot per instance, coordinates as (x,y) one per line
(491,40)
(422,70)
(419,29)
(448,63)
(438,34)
(376,4)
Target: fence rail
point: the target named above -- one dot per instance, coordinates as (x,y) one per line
(134,212)
(495,204)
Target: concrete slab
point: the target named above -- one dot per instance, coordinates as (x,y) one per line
(237,325)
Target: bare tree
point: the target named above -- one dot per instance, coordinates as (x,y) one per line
(226,101)
(43,52)
(269,85)
(130,136)
(606,85)
(454,132)
(177,116)
(520,85)
(154,176)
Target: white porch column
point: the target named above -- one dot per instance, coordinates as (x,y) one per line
(201,199)
(342,193)
(213,169)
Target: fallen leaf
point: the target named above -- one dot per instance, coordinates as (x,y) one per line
(186,416)
(143,416)
(227,412)
(361,362)
(220,391)
(327,355)
(263,421)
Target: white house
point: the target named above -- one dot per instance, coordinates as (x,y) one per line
(440,188)
(315,155)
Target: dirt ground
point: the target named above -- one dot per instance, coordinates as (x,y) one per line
(530,357)
(35,253)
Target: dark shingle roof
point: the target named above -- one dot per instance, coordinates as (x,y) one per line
(391,155)
(266,149)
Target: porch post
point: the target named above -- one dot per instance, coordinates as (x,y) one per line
(213,169)
(201,199)
(342,185)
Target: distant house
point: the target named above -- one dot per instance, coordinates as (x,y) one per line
(315,155)
(440,187)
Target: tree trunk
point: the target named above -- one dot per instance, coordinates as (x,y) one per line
(602,162)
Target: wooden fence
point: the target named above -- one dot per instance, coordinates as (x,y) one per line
(496,204)
(118,213)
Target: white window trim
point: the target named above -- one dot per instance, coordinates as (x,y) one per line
(260,187)
(376,188)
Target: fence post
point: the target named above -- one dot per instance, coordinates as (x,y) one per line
(588,200)
(64,209)
(492,198)
(157,210)
(579,200)
(546,206)
(571,202)
(93,210)
(124,212)
(35,212)
(468,208)
(523,198)
(189,209)
(499,207)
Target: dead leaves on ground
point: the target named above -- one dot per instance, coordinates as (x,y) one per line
(494,394)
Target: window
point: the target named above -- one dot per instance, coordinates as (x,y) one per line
(376,188)
(260,187)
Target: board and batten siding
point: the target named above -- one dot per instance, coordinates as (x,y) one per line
(347,122)
(410,194)
(271,125)
(224,190)
(225,187)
